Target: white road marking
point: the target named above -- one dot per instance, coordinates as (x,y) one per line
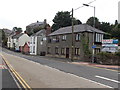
(107,79)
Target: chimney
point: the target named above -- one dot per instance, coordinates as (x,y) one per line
(45,21)
(48,29)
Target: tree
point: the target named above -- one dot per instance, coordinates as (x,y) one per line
(3,38)
(105,26)
(63,19)
(90,22)
(17,29)
(116,32)
(116,22)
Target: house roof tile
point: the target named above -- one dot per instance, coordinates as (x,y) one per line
(77,28)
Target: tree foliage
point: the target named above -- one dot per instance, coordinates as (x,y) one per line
(90,22)
(17,29)
(3,37)
(63,19)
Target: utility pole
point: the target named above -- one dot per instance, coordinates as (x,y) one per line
(93,51)
(72,48)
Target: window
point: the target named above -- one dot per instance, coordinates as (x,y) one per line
(33,49)
(48,50)
(64,38)
(57,38)
(98,37)
(33,40)
(49,40)
(77,37)
(97,50)
(62,51)
(56,50)
(77,51)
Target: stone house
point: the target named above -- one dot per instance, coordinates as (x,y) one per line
(59,43)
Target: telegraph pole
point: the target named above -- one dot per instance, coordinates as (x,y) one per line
(72,48)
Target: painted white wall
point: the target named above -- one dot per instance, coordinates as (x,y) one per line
(23,39)
(32,45)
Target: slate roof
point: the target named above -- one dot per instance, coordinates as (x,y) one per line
(17,36)
(39,33)
(36,24)
(77,28)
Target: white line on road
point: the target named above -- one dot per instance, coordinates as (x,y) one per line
(107,79)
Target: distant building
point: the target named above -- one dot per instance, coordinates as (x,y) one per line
(26,48)
(16,41)
(38,41)
(59,43)
(31,27)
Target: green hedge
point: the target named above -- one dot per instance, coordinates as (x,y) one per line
(108,58)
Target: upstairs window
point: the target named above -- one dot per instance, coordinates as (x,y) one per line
(57,39)
(49,40)
(98,37)
(64,38)
(33,40)
(77,37)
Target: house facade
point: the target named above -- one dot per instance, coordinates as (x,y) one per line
(38,43)
(16,41)
(26,48)
(59,43)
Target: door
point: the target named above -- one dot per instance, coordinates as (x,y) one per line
(67,52)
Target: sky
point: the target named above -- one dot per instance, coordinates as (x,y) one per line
(20,13)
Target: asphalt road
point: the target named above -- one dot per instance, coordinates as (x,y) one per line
(7,79)
(103,76)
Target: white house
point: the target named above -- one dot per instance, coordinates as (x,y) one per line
(38,43)
(18,40)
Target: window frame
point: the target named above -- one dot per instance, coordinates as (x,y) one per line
(77,51)
(77,37)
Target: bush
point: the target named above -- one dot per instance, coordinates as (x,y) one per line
(108,58)
(117,54)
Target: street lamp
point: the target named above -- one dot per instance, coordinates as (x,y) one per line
(93,31)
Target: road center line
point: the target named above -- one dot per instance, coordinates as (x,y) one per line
(107,79)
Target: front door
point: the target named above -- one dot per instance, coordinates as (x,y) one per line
(67,52)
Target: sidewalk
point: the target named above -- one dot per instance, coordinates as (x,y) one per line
(113,67)
(78,62)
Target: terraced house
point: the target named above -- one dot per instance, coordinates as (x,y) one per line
(59,43)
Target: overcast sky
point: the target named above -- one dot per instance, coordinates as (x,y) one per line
(21,13)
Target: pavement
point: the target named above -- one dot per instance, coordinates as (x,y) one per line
(78,62)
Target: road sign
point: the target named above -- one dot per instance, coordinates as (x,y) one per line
(94,46)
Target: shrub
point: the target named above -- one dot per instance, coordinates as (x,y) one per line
(108,58)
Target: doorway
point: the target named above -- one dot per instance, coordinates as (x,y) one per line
(67,52)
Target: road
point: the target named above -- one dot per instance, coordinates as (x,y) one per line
(105,77)
(7,79)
